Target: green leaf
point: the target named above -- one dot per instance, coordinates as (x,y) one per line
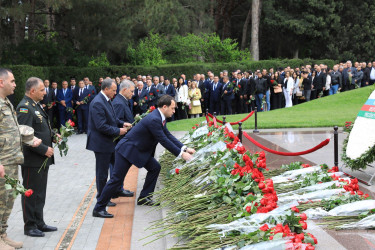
(278,236)
(8,186)
(227,200)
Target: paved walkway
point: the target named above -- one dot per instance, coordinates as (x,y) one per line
(71,197)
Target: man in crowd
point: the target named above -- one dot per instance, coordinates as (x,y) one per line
(139,102)
(260,90)
(347,76)
(169,89)
(121,103)
(103,128)
(336,80)
(35,168)
(215,96)
(152,94)
(10,155)
(319,83)
(227,97)
(372,74)
(242,85)
(73,84)
(138,148)
(207,86)
(80,100)
(159,87)
(48,100)
(64,97)
(55,109)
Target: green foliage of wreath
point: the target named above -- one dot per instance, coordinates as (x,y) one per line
(362,161)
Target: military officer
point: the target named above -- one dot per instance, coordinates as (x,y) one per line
(31,113)
(10,153)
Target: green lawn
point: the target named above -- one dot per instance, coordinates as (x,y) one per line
(324,112)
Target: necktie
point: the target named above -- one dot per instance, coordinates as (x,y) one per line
(47,91)
(148,89)
(64,91)
(80,92)
(139,92)
(214,87)
(164,123)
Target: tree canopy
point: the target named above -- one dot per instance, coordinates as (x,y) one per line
(81,32)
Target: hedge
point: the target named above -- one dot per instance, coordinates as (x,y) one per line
(58,74)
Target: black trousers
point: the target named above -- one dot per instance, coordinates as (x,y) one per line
(32,206)
(103,162)
(121,168)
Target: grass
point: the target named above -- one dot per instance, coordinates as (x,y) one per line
(323,112)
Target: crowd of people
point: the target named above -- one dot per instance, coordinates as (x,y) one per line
(226,93)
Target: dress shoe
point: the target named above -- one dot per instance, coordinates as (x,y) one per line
(123,193)
(146,201)
(47,228)
(111,204)
(34,233)
(101,214)
(10,242)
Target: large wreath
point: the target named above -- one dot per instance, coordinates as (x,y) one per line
(361,162)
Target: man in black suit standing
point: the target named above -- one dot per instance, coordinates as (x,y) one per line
(319,83)
(152,94)
(47,102)
(31,113)
(55,110)
(121,103)
(103,128)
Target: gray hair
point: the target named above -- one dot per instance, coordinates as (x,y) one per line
(107,83)
(126,84)
(31,83)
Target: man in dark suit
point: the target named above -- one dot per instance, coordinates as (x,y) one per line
(250,92)
(138,148)
(349,70)
(215,96)
(319,82)
(159,88)
(169,89)
(139,102)
(31,113)
(227,97)
(121,103)
(55,109)
(152,94)
(80,99)
(241,85)
(103,128)
(64,97)
(47,102)
(207,86)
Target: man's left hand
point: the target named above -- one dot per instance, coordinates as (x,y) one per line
(190,151)
(127,125)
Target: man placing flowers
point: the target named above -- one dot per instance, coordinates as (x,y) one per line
(138,148)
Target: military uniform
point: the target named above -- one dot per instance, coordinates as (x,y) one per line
(10,157)
(32,114)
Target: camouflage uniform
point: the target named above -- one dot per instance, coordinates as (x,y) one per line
(10,157)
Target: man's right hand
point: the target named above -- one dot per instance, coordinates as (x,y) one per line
(49,152)
(186,156)
(123,131)
(2,171)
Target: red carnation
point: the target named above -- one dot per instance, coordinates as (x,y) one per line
(145,97)
(93,92)
(151,93)
(193,127)
(248,209)
(152,108)
(303,225)
(156,91)
(29,192)
(303,216)
(177,171)
(89,95)
(239,86)
(74,111)
(264,227)
(261,185)
(295,209)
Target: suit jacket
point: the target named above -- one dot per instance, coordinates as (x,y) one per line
(215,95)
(319,81)
(137,98)
(33,115)
(77,98)
(250,87)
(159,90)
(152,96)
(171,90)
(202,88)
(123,109)
(48,98)
(207,87)
(68,98)
(229,95)
(139,145)
(242,85)
(103,126)
(345,75)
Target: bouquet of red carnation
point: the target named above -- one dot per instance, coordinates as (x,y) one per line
(18,188)
(61,140)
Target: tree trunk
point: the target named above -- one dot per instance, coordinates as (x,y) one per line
(212,8)
(31,25)
(295,54)
(244,30)
(255,20)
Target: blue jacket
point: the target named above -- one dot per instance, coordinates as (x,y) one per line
(229,95)
(170,91)
(103,126)
(207,87)
(215,96)
(139,144)
(67,98)
(123,109)
(77,98)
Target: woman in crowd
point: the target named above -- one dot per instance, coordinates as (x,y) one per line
(295,88)
(328,81)
(195,96)
(182,99)
(288,89)
(277,90)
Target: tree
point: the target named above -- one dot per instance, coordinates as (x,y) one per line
(255,19)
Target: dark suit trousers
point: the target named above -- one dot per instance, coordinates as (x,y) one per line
(226,107)
(214,107)
(64,116)
(103,160)
(121,168)
(82,117)
(32,206)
